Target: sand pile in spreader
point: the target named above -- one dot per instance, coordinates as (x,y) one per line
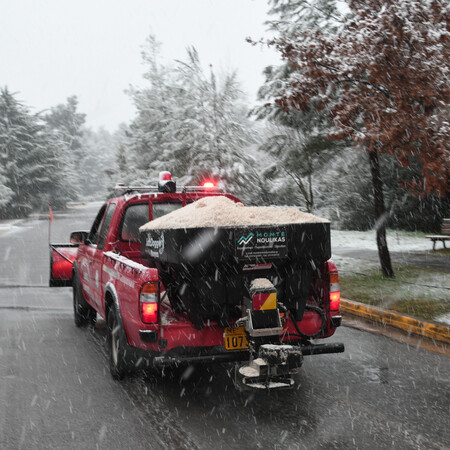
(220,211)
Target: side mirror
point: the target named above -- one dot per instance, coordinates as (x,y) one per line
(78,237)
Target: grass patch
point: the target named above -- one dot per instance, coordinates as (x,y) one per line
(438,251)
(421,293)
(425,309)
(441,251)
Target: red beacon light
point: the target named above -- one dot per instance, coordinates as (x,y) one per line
(165,183)
(209,185)
(165,176)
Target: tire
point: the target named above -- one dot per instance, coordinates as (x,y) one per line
(83,313)
(116,342)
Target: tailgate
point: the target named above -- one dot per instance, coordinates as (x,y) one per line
(61,262)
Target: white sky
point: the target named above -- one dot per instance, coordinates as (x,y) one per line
(52,49)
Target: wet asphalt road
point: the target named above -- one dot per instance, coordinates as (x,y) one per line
(56,391)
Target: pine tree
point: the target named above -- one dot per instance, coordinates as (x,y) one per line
(297,142)
(147,137)
(66,124)
(120,171)
(189,123)
(213,129)
(5,192)
(99,160)
(30,159)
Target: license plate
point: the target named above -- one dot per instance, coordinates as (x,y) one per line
(235,338)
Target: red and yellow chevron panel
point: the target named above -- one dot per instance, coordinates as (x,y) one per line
(266,301)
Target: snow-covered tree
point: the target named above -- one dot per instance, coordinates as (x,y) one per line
(294,16)
(66,119)
(66,124)
(298,145)
(30,158)
(384,78)
(5,192)
(99,162)
(189,122)
(147,137)
(213,131)
(118,170)
(349,194)
(298,140)
(120,137)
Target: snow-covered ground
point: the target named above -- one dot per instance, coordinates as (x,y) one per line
(6,227)
(403,241)
(9,225)
(397,240)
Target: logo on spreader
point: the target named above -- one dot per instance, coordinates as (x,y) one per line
(244,240)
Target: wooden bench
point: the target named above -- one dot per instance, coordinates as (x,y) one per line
(445,236)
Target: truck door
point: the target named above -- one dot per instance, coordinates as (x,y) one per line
(98,258)
(86,256)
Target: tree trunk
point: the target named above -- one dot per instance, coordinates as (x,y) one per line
(380,214)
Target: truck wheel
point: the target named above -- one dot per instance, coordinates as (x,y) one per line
(83,313)
(116,343)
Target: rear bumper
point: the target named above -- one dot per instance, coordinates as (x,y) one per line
(192,355)
(164,361)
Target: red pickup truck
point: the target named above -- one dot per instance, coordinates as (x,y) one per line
(152,321)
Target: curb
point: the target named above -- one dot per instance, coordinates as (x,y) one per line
(406,323)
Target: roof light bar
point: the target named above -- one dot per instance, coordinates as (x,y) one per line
(165,185)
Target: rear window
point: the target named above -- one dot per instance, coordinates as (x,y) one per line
(161,209)
(135,216)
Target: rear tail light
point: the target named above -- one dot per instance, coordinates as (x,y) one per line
(335,299)
(149,303)
(335,290)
